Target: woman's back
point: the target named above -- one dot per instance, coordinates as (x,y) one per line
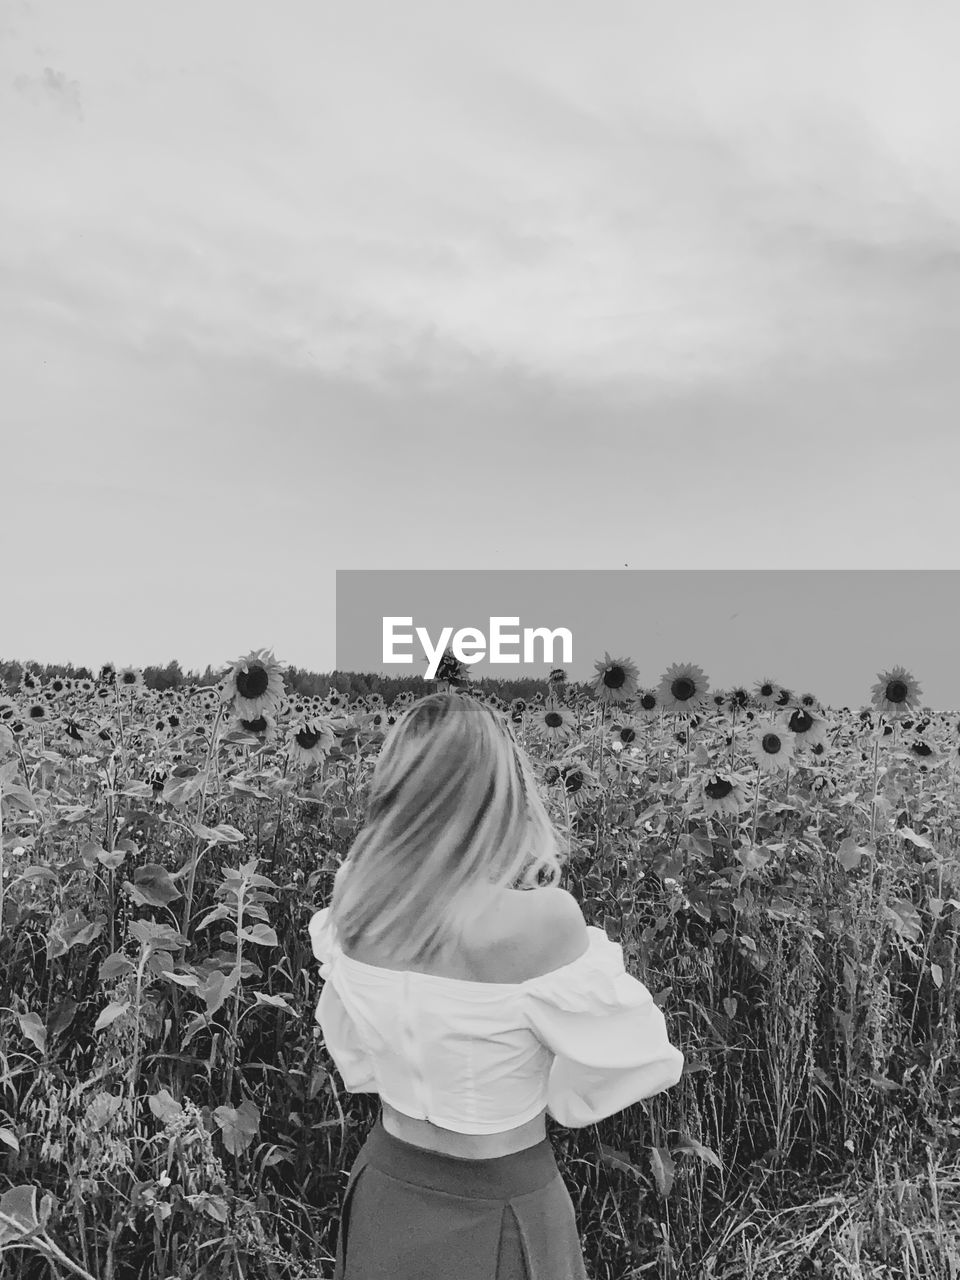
(516,935)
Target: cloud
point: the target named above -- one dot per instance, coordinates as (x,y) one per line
(52,87)
(634,206)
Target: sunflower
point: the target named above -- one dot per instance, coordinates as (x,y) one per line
(823,785)
(557,682)
(924,753)
(766,693)
(7,709)
(103,692)
(623,734)
(555,722)
(29,681)
(58,686)
(85,685)
(771,745)
(683,687)
(75,737)
(36,712)
(648,704)
(130,678)
(263,725)
(737,699)
(895,692)
(254,684)
(375,720)
(722,793)
(579,780)
(807,729)
(309,741)
(616,679)
(108,673)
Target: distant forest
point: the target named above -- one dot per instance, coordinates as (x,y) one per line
(352,684)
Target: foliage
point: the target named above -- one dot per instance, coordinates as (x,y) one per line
(168,1106)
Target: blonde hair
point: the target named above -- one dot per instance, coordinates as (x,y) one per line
(453,808)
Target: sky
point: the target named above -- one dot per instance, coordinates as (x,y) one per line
(831,632)
(286,289)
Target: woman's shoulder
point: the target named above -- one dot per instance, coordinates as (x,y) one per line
(537,931)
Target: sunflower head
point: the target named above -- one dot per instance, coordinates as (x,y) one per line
(310,741)
(616,679)
(648,704)
(254,684)
(767,692)
(554,721)
(895,692)
(771,746)
(683,688)
(722,794)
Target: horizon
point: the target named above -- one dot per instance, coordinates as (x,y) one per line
(579,683)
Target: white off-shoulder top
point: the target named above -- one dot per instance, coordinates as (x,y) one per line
(584,1040)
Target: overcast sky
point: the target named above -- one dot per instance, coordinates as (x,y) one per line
(295,287)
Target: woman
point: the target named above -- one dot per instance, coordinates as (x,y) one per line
(474,1008)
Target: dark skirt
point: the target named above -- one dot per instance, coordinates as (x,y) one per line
(412,1214)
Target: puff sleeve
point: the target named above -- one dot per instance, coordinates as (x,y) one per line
(609,1038)
(339,1031)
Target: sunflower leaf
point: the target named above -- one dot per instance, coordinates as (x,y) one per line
(920,841)
(33,1029)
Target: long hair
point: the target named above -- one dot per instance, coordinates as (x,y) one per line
(453,808)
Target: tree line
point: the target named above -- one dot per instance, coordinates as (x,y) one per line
(350,684)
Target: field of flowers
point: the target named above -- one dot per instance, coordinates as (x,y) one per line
(785,877)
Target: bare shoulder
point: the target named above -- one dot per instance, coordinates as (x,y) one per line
(544,929)
(562,928)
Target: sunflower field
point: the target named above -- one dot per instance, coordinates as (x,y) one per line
(783,876)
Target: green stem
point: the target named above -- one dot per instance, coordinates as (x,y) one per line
(876,762)
(195,854)
(235,1017)
(135,1056)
